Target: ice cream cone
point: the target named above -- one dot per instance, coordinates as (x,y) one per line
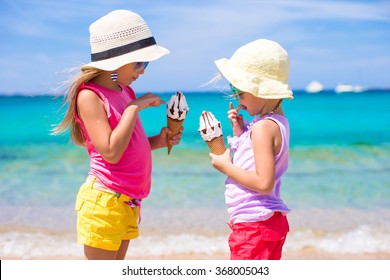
(217,145)
(174,126)
(177,109)
(211,131)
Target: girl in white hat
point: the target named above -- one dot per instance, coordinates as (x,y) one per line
(258,76)
(103,116)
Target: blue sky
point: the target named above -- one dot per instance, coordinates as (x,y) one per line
(329,41)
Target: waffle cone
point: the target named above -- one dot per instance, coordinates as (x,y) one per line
(217,145)
(174,126)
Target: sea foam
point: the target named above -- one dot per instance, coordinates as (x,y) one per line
(40,245)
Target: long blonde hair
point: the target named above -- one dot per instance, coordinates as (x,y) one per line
(69,122)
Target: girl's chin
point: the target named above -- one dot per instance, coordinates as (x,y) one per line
(250,113)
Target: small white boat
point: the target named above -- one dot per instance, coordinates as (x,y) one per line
(343,88)
(314,87)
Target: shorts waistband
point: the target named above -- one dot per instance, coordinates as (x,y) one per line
(132,202)
(274,215)
(96,184)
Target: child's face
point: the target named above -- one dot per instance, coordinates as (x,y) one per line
(127,74)
(253,105)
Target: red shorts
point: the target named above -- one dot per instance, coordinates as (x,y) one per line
(259,240)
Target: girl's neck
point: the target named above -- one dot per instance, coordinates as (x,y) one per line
(273,109)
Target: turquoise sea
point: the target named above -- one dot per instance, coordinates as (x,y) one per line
(337,185)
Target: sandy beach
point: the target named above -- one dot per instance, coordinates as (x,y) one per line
(305,254)
(168,235)
(137,249)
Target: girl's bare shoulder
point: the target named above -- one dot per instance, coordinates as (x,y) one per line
(265,125)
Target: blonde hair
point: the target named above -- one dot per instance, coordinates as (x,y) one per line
(69,122)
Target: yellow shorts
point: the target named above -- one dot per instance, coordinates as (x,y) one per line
(103,218)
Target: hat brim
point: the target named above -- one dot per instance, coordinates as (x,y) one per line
(147,54)
(252,83)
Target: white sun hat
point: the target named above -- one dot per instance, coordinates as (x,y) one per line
(260,68)
(119,38)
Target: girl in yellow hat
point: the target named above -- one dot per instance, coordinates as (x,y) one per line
(258,77)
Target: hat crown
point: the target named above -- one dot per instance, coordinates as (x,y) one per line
(119,38)
(117,28)
(264,57)
(260,68)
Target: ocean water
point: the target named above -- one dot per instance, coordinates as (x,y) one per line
(337,185)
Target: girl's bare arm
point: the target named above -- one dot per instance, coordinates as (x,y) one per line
(111,143)
(262,179)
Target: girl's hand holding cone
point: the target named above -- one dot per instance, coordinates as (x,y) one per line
(222,161)
(160,140)
(173,139)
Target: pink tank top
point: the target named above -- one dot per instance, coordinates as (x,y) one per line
(243,204)
(132,174)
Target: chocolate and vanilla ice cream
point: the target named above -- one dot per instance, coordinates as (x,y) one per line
(177,109)
(211,131)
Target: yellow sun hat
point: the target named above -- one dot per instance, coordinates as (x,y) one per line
(260,68)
